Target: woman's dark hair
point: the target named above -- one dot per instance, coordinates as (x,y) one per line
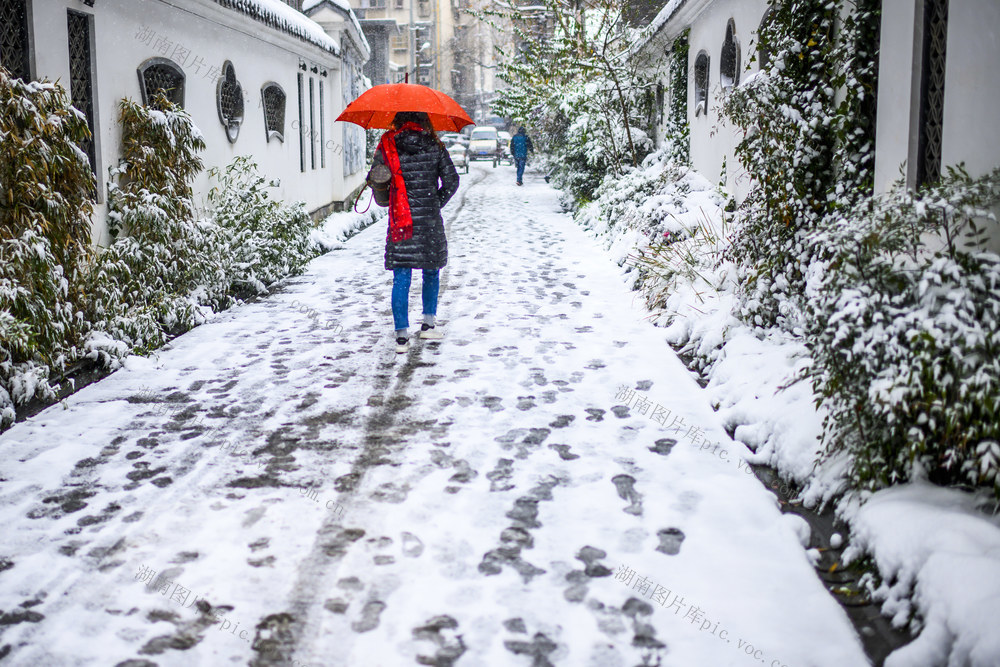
(420,118)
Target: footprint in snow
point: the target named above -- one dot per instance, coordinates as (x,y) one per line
(663,446)
(620,411)
(625,484)
(369,618)
(564,452)
(538,648)
(412,545)
(562,421)
(441,631)
(670,541)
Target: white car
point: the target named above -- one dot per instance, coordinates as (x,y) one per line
(484,144)
(505,156)
(459,156)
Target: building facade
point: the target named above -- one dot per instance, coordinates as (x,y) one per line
(937,82)
(258,78)
(439,43)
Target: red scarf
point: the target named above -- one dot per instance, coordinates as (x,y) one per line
(400,221)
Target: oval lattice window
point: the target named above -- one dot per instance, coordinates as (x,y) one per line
(273,98)
(229,96)
(163,76)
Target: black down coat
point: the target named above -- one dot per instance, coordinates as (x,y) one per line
(431,180)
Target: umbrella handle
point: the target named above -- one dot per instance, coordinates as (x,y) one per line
(359,199)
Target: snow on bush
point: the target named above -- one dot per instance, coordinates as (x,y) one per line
(165,272)
(261,240)
(46,190)
(140,284)
(888,304)
(906,336)
(338,227)
(580,93)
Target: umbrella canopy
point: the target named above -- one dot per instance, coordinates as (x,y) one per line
(376,107)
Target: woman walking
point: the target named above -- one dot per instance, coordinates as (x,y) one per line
(423,180)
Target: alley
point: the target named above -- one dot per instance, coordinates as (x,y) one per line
(547,485)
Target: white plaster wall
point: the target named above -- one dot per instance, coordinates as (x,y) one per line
(259,54)
(712,140)
(971,132)
(972,89)
(897,114)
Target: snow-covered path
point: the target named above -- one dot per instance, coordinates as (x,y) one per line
(484,500)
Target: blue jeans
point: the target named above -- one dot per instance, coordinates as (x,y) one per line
(401,294)
(520,162)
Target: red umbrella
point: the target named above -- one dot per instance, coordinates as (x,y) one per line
(376,107)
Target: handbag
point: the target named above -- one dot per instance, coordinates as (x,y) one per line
(378,180)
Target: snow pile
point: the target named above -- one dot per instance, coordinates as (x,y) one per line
(283,17)
(938,554)
(342,4)
(657,24)
(338,227)
(666,225)
(934,544)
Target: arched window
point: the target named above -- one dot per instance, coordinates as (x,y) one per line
(763,52)
(273,98)
(729,60)
(229,98)
(701,64)
(163,75)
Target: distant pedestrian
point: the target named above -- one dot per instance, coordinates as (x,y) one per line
(423,180)
(520,144)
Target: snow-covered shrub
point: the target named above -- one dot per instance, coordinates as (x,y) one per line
(581,95)
(46,200)
(262,240)
(664,220)
(140,285)
(808,149)
(906,338)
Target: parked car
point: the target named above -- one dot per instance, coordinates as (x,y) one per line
(449,138)
(459,156)
(505,155)
(484,144)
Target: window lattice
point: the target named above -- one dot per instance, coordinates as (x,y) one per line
(322,127)
(312,123)
(302,131)
(932,90)
(701,65)
(160,74)
(14,37)
(229,97)
(729,60)
(81,88)
(274,110)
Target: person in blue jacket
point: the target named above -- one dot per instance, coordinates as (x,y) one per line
(520,144)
